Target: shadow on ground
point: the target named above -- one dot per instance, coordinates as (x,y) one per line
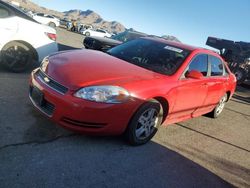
(234,169)
(242,98)
(242,94)
(80,161)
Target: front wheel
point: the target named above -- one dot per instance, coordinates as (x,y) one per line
(145,123)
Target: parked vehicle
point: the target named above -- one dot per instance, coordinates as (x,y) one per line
(237,54)
(97,33)
(22,39)
(131,89)
(69,26)
(104,44)
(46,19)
(30,13)
(64,22)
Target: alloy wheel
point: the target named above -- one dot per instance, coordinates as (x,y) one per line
(16,57)
(147,123)
(221,105)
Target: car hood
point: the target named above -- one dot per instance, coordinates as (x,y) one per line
(105,40)
(78,68)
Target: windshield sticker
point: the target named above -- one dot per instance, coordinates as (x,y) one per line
(173,49)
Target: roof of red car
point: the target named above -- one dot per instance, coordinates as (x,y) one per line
(176,44)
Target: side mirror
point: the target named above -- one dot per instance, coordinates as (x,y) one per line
(194,74)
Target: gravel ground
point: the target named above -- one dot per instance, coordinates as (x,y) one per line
(201,152)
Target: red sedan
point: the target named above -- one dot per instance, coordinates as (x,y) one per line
(132,88)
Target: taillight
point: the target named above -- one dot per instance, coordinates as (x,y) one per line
(52,36)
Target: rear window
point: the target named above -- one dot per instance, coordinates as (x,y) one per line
(40,14)
(101,31)
(152,55)
(127,36)
(48,16)
(217,68)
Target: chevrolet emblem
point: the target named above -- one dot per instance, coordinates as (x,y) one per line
(46,79)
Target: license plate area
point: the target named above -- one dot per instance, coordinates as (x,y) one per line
(39,100)
(37,96)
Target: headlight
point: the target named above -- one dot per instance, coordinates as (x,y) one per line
(106,94)
(44,63)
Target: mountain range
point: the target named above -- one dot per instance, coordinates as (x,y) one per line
(94,19)
(85,17)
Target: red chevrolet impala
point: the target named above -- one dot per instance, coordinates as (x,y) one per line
(132,88)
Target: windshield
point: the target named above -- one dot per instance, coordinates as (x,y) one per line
(120,37)
(152,55)
(127,36)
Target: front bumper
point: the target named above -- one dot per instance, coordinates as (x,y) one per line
(77,114)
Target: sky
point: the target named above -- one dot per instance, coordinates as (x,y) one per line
(191,21)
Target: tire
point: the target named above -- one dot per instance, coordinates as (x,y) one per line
(52,24)
(240,75)
(145,123)
(87,34)
(17,57)
(219,107)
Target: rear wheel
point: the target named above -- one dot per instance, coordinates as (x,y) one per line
(87,34)
(145,123)
(219,107)
(53,25)
(16,56)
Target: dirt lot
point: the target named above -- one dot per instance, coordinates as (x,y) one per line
(201,152)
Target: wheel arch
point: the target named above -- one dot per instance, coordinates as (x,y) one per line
(165,105)
(33,50)
(228,95)
(51,22)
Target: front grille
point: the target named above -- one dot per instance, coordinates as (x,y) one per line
(89,43)
(38,99)
(52,83)
(48,107)
(83,124)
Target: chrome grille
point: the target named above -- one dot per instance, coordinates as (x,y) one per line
(52,83)
(38,100)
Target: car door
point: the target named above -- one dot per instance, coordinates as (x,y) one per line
(191,93)
(8,25)
(100,33)
(40,18)
(217,80)
(48,19)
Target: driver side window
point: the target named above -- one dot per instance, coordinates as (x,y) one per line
(198,63)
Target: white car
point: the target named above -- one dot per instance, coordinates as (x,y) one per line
(47,19)
(23,41)
(96,33)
